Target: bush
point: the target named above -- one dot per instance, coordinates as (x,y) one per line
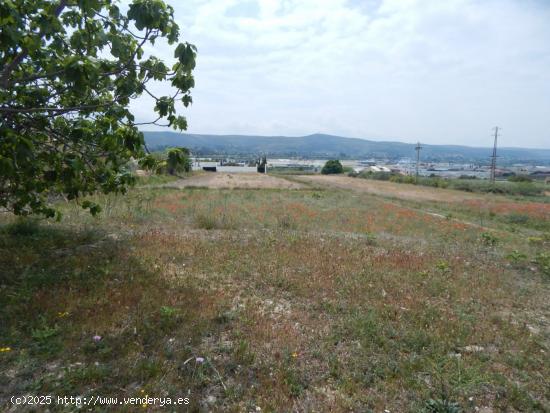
(381,176)
(332,166)
(23,227)
(518,219)
(520,178)
(174,161)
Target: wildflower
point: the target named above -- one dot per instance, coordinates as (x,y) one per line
(199,360)
(5,349)
(294,355)
(62,314)
(96,339)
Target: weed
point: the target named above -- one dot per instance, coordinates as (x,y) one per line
(535,240)
(542,260)
(516,257)
(442,406)
(243,354)
(46,338)
(443,267)
(365,328)
(488,239)
(206,220)
(168,317)
(285,221)
(168,312)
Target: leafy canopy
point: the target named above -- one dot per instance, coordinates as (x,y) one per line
(178,161)
(68,72)
(332,166)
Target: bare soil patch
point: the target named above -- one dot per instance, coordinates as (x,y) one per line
(391,189)
(218,180)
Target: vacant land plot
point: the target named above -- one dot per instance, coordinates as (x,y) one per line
(274,300)
(219,180)
(474,208)
(385,188)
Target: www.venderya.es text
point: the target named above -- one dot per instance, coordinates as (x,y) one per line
(96,400)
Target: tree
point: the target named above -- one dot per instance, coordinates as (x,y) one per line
(332,166)
(178,161)
(68,72)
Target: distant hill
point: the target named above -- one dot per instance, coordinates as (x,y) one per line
(328,146)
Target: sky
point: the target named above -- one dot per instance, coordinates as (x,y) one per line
(434,71)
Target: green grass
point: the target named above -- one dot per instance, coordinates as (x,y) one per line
(312,299)
(514,188)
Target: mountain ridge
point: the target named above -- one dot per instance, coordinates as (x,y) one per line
(319,145)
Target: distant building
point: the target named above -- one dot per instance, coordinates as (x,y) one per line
(378,168)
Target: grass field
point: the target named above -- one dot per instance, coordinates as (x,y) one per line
(321,298)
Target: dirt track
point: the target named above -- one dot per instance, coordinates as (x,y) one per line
(219,180)
(390,189)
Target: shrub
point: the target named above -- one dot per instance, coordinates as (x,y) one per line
(381,176)
(525,189)
(332,166)
(436,182)
(178,160)
(520,178)
(519,219)
(463,183)
(23,227)
(463,186)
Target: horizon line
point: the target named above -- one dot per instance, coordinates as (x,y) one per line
(384,140)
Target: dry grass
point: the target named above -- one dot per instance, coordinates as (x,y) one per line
(385,188)
(235,180)
(308,300)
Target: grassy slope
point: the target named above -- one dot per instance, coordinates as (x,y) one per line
(298,300)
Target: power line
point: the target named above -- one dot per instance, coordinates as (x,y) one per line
(494,157)
(417,149)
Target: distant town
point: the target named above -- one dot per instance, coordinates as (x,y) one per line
(404,166)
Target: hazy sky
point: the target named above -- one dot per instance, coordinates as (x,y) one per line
(438,71)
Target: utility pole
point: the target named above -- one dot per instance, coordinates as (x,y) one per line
(417,149)
(494,157)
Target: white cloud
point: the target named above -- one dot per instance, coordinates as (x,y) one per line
(429,70)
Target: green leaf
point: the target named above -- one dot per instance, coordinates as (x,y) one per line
(90,68)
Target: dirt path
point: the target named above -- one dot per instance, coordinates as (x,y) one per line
(219,180)
(390,189)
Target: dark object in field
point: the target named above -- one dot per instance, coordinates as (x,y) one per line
(261,165)
(209,168)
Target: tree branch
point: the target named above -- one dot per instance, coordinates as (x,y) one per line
(5,76)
